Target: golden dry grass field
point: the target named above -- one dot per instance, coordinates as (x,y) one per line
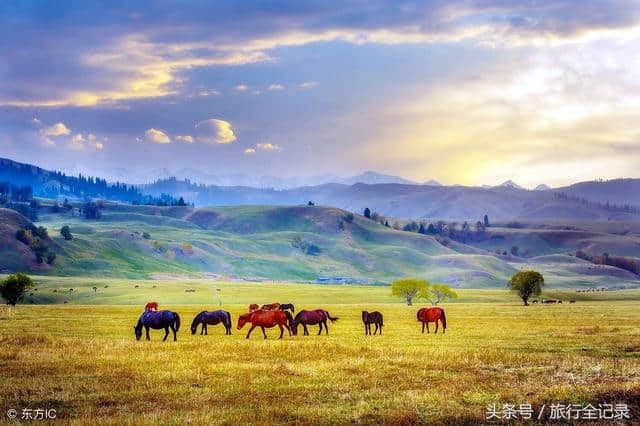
(84,361)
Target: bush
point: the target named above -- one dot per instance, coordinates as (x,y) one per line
(348,217)
(65,231)
(13,288)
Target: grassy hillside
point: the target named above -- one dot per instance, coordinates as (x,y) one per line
(291,243)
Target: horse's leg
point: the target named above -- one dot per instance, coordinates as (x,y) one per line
(250,330)
(320,328)
(166,333)
(281,331)
(263,332)
(175,336)
(288,328)
(326,327)
(443,327)
(380,328)
(436,321)
(427,327)
(366,330)
(423,326)
(376,330)
(146,329)
(206,329)
(306,331)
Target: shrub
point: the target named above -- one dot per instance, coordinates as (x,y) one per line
(14,287)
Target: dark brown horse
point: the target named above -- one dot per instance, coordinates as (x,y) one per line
(271,307)
(427,315)
(211,318)
(318,316)
(287,307)
(267,319)
(369,318)
(158,320)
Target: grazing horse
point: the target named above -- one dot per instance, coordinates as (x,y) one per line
(267,319)
(427,315)
(151,306)
(572,301)
(318,316)
(211,318)
(288,306)
(549,301)
(157,320)
(253,307)
(369,318)
(271,307)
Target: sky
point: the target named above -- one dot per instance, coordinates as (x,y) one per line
(465,92)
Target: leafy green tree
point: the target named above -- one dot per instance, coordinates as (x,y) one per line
(409,289)
(440,293)
(65,231)
(13,288)
(526,284)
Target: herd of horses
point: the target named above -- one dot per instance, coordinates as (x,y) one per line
(268,316)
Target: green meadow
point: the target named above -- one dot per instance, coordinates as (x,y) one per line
(81,358)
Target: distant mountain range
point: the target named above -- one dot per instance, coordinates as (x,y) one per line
(390,196)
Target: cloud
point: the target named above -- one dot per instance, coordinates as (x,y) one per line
(308,84)
(58,129)
(185,139)
(275,86)
(79,142)
(156,136)
(268,146)
(35,121)
(215,131)
(250,151)
(209,92)
(241,88)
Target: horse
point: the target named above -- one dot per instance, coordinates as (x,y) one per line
(151,306)
(427,315)
(157,320)
(271,307)
(253,307)
(572,301)
(369,318)
(267,319)
(535,301)
(211,318)
(288,306)
(318,316)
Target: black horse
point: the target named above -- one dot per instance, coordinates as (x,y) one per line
(288,306)
(157,320)
(318,316)
(211,318)
(369,318)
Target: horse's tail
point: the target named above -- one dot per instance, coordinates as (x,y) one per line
(444,320)
(418,314)
(330,317)
(177,320)
(228,315)
(381,320)
(289,318)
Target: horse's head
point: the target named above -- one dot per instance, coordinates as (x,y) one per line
(137,329)
(195,322)
(294,327)
(243,319)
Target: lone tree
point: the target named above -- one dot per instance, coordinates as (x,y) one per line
(367,213)
(13,288)
(439,293)
(409,288)
(65,231)
(527,284)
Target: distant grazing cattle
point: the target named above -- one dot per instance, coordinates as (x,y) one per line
(65,301)
(190,290)
(549,301)
(559,301)
(70,289)
(572,301)
(535,301)
(55,291)
(136,286)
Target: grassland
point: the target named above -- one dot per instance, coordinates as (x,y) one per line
(83,360)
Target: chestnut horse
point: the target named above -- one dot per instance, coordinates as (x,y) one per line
(318,316)
(369,318)
(271,307)
(253,307)
(151,306)
(427,315)
(267,319)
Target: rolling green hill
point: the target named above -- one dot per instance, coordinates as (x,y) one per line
(283,243)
